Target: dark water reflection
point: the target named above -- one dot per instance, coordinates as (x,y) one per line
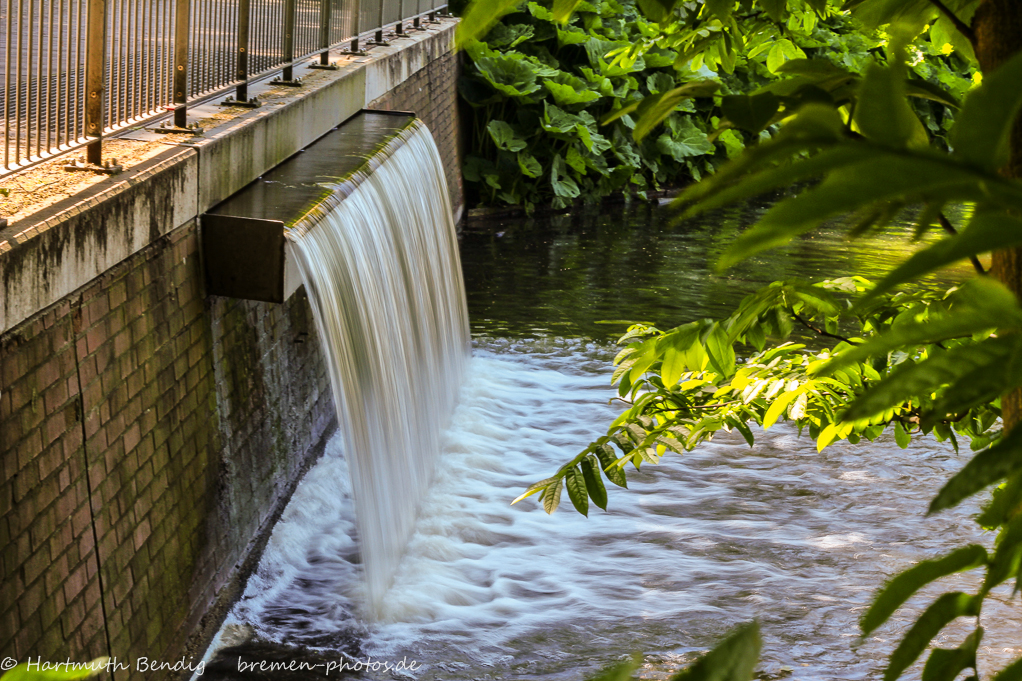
(565,275)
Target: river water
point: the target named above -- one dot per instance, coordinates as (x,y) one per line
(725,534)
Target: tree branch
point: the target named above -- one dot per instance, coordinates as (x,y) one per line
(962,27)
(819,331)
(950,229)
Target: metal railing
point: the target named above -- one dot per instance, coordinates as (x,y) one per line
(73,71)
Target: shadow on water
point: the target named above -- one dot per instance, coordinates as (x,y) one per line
(590,273)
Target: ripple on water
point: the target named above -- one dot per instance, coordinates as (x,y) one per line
(797,538)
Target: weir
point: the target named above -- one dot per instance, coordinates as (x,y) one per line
(363,217)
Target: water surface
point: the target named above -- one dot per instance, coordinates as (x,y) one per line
(798,539)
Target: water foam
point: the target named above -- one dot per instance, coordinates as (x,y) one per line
(384,279)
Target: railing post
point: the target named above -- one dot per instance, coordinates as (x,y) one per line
(179,80)
(400,28)
(287,77)
(378,38)
(241,97)
(95,92)
(95,72)
(357,29)
(325,13)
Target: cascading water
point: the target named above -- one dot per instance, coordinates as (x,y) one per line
(382,272)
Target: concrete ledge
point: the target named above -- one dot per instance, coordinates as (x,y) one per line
(70,246)
(58,250)
(233,157)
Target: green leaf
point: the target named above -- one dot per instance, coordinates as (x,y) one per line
(722,8)
(945,609)
(757,170)
(944,665)
(567,95)
(813,69)
(989,466)
(774,8)
(562,184)
(657,10)
(78,670)
(508,73)
(478,18)
(733,659)
(533,488)
(858,185)
(751,113)
(926,90)
(733,143)
(508,36)
(576,484)
(575,161)
(552,495)
(901,435)
(504,136)
(902,587)
(690,141)
(782,51)
(529,165)
(778,407)
(720,351)
(882,114)
(594,481)
(563,9)
(655,108)
(983,127)
(1005,563)
(608,462)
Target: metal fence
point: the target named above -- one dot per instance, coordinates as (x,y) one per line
(73,71)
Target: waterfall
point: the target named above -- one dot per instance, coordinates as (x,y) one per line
(383,274)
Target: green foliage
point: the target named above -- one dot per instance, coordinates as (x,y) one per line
(580,95)
(684,385)
(733,659)
(871,109)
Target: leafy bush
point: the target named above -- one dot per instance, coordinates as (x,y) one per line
(566,112)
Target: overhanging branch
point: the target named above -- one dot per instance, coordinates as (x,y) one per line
(962,27)
(950,229)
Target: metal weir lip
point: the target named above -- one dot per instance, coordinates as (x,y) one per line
(243,237)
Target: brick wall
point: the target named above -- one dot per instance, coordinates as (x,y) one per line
(432,94)
(148,434)
(180,417)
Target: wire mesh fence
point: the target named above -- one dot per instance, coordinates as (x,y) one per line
(72,71)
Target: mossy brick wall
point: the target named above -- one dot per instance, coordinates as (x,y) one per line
(432,94)
(184,419)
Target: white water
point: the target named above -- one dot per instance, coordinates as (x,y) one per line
(384,279)
(723,535)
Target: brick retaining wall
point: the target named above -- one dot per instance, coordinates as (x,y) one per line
(148,434)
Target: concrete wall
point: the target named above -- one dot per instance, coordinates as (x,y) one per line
(149,432)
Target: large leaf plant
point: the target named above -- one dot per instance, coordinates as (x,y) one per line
(619,99)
